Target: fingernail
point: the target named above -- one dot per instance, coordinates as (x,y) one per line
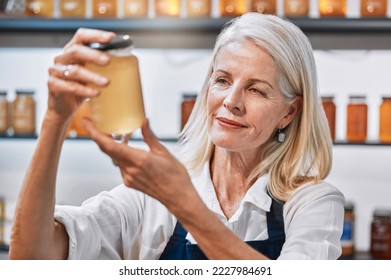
(104,58)
(103,81)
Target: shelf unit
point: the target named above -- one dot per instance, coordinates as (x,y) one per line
(324,33)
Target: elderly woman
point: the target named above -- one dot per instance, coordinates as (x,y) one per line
(249,182)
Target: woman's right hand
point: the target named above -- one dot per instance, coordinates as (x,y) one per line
(69,79)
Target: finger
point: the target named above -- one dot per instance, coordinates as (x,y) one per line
(79,54)
(59,87)
(85,36)
(78,73)
(150,138)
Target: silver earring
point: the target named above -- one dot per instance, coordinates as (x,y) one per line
(281,136)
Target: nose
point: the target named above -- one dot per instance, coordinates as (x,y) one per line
(234,100)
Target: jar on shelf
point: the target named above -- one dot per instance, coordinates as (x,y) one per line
(357,118)
(73,8)
(332,8)
(135,8)
(264,6)
(2,220)
(24,113)
(373,8)
(187,105)
(3,112)
(330,111)
(347,238)
(233,7)
(198,8)
(41,8)
(381,234)
(104,8)
(171,8)
(296,8)
(385,120)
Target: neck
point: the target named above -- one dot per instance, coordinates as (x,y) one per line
(229,173)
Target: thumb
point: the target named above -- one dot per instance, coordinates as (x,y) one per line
(150,138)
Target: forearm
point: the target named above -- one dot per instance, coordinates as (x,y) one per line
(213,237)
(34,232)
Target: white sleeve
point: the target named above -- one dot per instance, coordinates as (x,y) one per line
(313,220)
(103,225)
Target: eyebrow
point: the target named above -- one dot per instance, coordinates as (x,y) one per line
(252,81)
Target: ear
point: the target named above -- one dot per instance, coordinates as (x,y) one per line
(294,109)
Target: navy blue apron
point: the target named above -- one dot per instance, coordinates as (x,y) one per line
(179,248)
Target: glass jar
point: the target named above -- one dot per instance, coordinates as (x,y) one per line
(233,7)
(187,105)
(170,8)
(2,219)
(332,8)
(373,8)
(296,8)
(3,112)
(347,238)
(357,115)
(41,8)
(104,8)
(77,128)
(73,8)
(24,113)
(198,8)
(385,120)
(381,234)
(330,111)
(264,6)
(135,8)
(119,109)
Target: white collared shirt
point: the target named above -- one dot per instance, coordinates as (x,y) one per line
(126,224)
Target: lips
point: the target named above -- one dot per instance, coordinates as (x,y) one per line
(230,123)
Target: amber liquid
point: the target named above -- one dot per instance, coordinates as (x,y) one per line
(373,8)
(233,7)
(168,8)
(332,8)
(135,8)
(385,121)
(357,122)
(296,8)
(186,109)
(198,8)
(104,8)
(329,109)
(119,109)
(41,8)
(76,127)
(264,6)
(73,8)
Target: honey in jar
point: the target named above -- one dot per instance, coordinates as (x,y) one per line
(373,8)
(170,8)
(332,8)
(104,8)
(233,7)
(264,6)
(385,120)
(296,8)
(135,8)
(381,234)
(77,128)
(330,111)
(3,112)
(198,8)
(347,238)
(119,109)
(73,8)
(41,8)
(188,101)
(24,113)
(357,114)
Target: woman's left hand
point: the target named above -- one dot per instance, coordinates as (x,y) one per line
(155,172)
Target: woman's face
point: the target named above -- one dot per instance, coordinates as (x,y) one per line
(244,103)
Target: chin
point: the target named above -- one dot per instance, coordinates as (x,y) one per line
(228,144)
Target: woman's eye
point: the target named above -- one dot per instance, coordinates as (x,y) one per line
(257,91)
(221,81)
